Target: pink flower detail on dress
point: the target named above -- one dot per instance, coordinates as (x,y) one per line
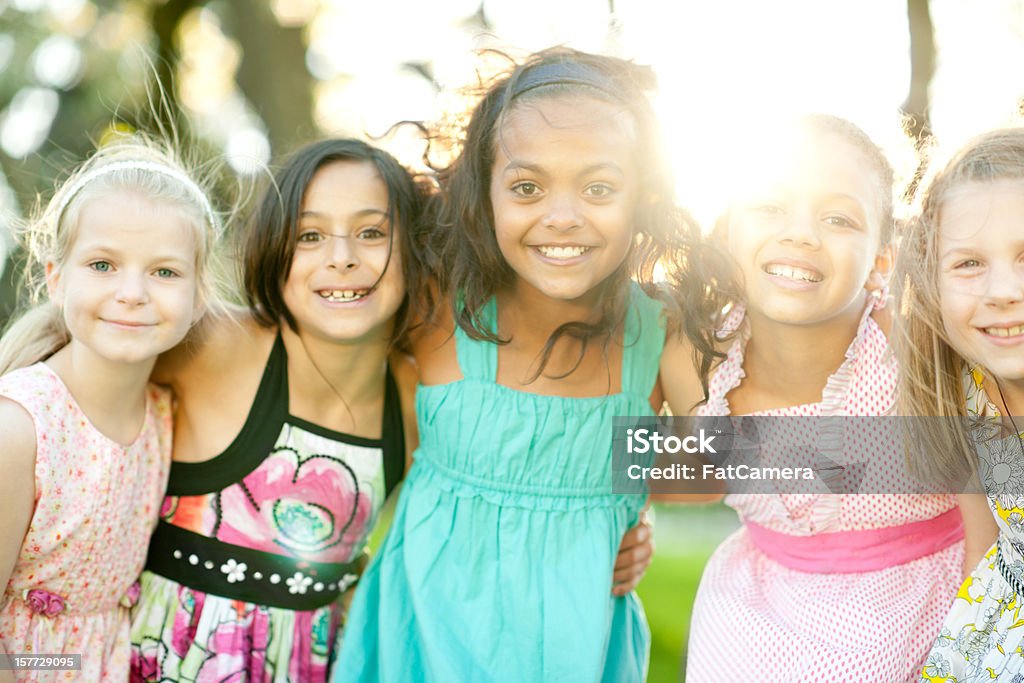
(132,596)
(44,602)
(310,506)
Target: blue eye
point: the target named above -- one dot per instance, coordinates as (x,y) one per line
(166,273)
(101,266)
(968,263)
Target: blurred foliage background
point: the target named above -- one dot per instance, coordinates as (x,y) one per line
(248,80)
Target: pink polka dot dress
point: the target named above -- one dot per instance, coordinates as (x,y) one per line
(96,505)
(774,618)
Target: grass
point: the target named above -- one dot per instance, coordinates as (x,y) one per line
(685,535)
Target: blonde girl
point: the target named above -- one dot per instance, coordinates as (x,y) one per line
(962,352)
(123,248)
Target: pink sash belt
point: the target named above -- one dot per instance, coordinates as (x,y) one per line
(863,550)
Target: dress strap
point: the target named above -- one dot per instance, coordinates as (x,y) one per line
(643,342)
(393,436)
(257,437)
(478,359)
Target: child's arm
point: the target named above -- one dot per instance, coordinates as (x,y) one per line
(635,553)
(980,528)
(17,490)
(403,368)
(679,383)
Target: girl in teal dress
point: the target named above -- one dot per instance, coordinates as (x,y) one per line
(500,556)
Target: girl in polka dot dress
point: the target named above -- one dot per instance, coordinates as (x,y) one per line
(819,586)
(962,353)
(86,439)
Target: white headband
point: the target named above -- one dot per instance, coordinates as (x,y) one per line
(163,170)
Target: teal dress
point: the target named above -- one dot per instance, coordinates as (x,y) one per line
(498,564)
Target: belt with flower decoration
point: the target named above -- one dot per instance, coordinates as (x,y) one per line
(239,573)
(1014,580)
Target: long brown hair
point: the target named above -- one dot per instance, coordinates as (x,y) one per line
(465,253)
(932,371)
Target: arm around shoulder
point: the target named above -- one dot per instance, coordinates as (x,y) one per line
(209,348)
(680,385)
(679,377)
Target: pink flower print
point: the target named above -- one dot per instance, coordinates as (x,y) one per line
(146,658)
(186,620)
(132,596)
(44,602)
(309,506)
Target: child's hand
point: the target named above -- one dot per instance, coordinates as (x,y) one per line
(635,554)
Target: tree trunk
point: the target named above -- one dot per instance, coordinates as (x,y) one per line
(922,68)
(273,74)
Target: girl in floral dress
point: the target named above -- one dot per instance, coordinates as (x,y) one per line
(964,263)
(817,586)
(86,440)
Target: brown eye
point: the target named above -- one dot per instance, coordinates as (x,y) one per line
(526,189)
(372,233)
(599,190)
(311,237)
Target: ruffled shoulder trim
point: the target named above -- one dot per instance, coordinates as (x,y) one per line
(867,353)
(729,373)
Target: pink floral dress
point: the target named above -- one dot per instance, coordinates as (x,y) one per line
(96,504)
(255,546)
(756,619)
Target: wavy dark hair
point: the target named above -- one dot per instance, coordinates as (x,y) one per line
(268,246)
(695,285)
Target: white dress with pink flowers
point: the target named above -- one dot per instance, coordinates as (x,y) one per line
(255,546)
(819,586)
(96,503)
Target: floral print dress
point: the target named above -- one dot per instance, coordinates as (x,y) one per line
(96,502)
(255,546)
(982,638)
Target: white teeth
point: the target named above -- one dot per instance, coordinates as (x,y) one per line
(343,294)
(1014,331)
(792,272)
(562,252)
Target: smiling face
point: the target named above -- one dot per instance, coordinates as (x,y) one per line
(563,190)
(345,281)
(127,286)
(981,277)
(806,243)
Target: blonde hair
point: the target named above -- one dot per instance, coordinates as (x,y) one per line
(134,164)
(931,370)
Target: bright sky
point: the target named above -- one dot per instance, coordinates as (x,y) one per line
(723,66)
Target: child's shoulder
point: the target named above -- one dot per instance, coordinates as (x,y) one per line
(215,347)
(433,349)
(17,429)
(33,386)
